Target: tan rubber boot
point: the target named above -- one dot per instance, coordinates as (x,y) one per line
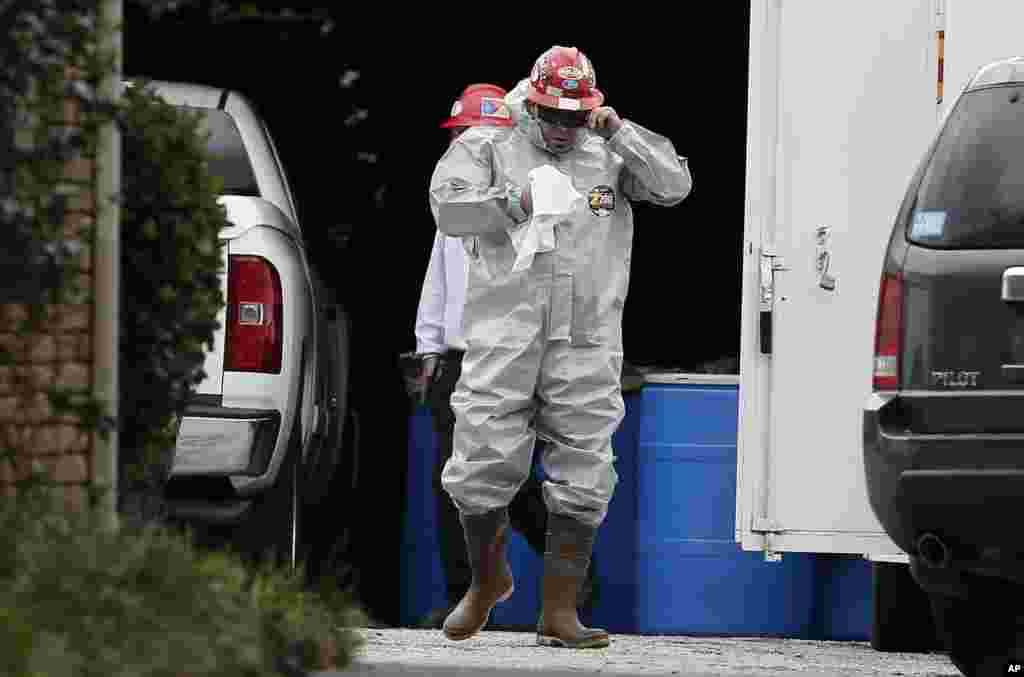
(486,535)
(567,555)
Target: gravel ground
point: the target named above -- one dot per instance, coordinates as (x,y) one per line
(427,652)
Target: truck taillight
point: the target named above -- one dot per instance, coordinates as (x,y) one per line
(254,316)
(888,332)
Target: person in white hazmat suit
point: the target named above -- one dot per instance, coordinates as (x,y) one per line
(543,211)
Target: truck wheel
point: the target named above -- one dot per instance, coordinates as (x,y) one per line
(274,531)
(317,476)
(333,554)
(278,525)
(289,537)
(901,613)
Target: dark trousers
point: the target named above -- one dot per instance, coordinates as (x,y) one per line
(527,513)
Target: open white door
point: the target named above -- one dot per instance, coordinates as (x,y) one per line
(842,106)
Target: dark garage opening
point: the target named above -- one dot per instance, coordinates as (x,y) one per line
(354,112)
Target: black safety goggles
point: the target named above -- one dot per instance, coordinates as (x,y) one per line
(567,119)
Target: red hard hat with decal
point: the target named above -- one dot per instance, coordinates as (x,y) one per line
(564,78)
(480,104)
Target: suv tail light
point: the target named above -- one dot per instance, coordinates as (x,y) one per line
(254,316)
(888,332)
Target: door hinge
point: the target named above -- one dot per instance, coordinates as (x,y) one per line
(765,525)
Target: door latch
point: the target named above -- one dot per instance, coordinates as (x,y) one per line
(770,264)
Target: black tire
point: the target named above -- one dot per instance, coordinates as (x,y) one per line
(274,531)
(332,556)
(329,459)
(287,540)
(901,612)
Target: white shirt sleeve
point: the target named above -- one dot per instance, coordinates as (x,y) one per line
(430,313)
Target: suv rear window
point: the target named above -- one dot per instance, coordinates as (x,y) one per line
(971,194)
(228,158)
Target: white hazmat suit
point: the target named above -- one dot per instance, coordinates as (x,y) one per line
(544,344)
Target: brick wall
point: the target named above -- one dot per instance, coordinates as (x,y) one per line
(59,353)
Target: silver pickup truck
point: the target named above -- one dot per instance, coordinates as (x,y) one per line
(268,439)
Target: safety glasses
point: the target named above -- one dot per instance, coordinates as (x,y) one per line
(567,119)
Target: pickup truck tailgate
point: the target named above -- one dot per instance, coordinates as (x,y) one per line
(213,364)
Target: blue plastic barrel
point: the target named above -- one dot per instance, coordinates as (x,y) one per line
(691,575)
(422,586)
(615,547)
(666,557)
(845,597)
(614,550)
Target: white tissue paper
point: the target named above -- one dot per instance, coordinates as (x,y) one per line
(554,199)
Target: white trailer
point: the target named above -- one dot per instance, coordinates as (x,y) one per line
(843,100)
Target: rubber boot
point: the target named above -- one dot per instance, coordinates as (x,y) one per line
(486,535)
(566,557)
(589,590)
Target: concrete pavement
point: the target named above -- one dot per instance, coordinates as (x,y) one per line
(512,654)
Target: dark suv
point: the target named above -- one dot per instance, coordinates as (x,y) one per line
(944,429)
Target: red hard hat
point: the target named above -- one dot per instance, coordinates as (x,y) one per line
(480,104)
(564,78)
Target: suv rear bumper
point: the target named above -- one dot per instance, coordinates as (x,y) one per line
(966,489)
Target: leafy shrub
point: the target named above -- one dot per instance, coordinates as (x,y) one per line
(79,598)
(170,221)
(39,42)
(170,267)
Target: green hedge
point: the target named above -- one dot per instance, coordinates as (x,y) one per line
(80,599)
(170,287)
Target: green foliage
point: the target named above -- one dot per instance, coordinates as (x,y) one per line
(40,41)
(170,221)
(226,11)
(170,267)
(79,598)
